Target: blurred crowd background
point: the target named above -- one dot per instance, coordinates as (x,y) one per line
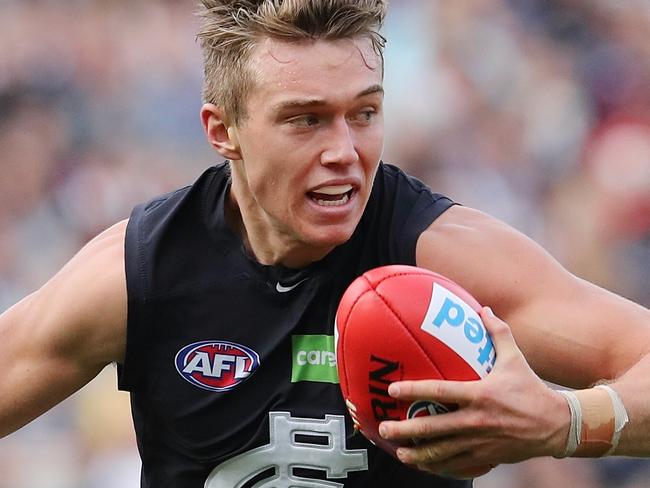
(536,111)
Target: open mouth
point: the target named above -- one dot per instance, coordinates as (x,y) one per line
(332,196)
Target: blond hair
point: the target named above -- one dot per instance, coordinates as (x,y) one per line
(232,28)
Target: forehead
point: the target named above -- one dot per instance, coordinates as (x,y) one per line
(325,69)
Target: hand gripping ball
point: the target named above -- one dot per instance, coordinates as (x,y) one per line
(402,322)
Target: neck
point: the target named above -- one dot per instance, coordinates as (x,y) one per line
(263,240)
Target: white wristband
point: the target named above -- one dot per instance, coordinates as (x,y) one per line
(599,433)
(575,426)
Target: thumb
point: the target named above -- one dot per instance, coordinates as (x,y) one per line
(504,342)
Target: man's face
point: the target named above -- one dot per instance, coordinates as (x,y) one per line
(311,140)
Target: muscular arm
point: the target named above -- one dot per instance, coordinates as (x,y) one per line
(58,338)
(570,332)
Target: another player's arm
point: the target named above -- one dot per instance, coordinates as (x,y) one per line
(571,332)
(57,339)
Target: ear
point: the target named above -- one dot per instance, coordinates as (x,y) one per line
(220,134)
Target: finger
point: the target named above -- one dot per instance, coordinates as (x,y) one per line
(442,391)
(464,465)
(448,458)
(434,453)
(427,427)
(502,338)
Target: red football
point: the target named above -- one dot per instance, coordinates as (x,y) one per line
(403,322)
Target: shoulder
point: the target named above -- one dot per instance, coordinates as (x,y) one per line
(394,176)
(400,208)
(102,255)
(182,209)
(395,190)
(465,224)
(401,190)
(492,260)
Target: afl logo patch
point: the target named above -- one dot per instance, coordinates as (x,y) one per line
(422,408)
(216,365)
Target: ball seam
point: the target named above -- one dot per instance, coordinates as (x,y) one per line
(408,331)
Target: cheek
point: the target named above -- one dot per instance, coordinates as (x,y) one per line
(373,143)
(371,154)
(273,187)
(266,186)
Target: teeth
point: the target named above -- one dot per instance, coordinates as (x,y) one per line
(334,190)
(333,203)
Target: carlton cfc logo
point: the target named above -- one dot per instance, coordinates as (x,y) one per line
(216,365)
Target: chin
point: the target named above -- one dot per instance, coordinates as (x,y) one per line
(330,237)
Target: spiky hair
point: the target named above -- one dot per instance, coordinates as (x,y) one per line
(232,28)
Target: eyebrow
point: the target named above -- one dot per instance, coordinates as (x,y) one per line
(319,102)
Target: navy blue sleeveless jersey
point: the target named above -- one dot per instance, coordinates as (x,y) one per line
(230,363)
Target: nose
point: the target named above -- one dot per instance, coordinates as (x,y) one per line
(340,145)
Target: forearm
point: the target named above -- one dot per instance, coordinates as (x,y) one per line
(608,419)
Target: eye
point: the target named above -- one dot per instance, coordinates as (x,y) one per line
(307,120)
(364,116)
